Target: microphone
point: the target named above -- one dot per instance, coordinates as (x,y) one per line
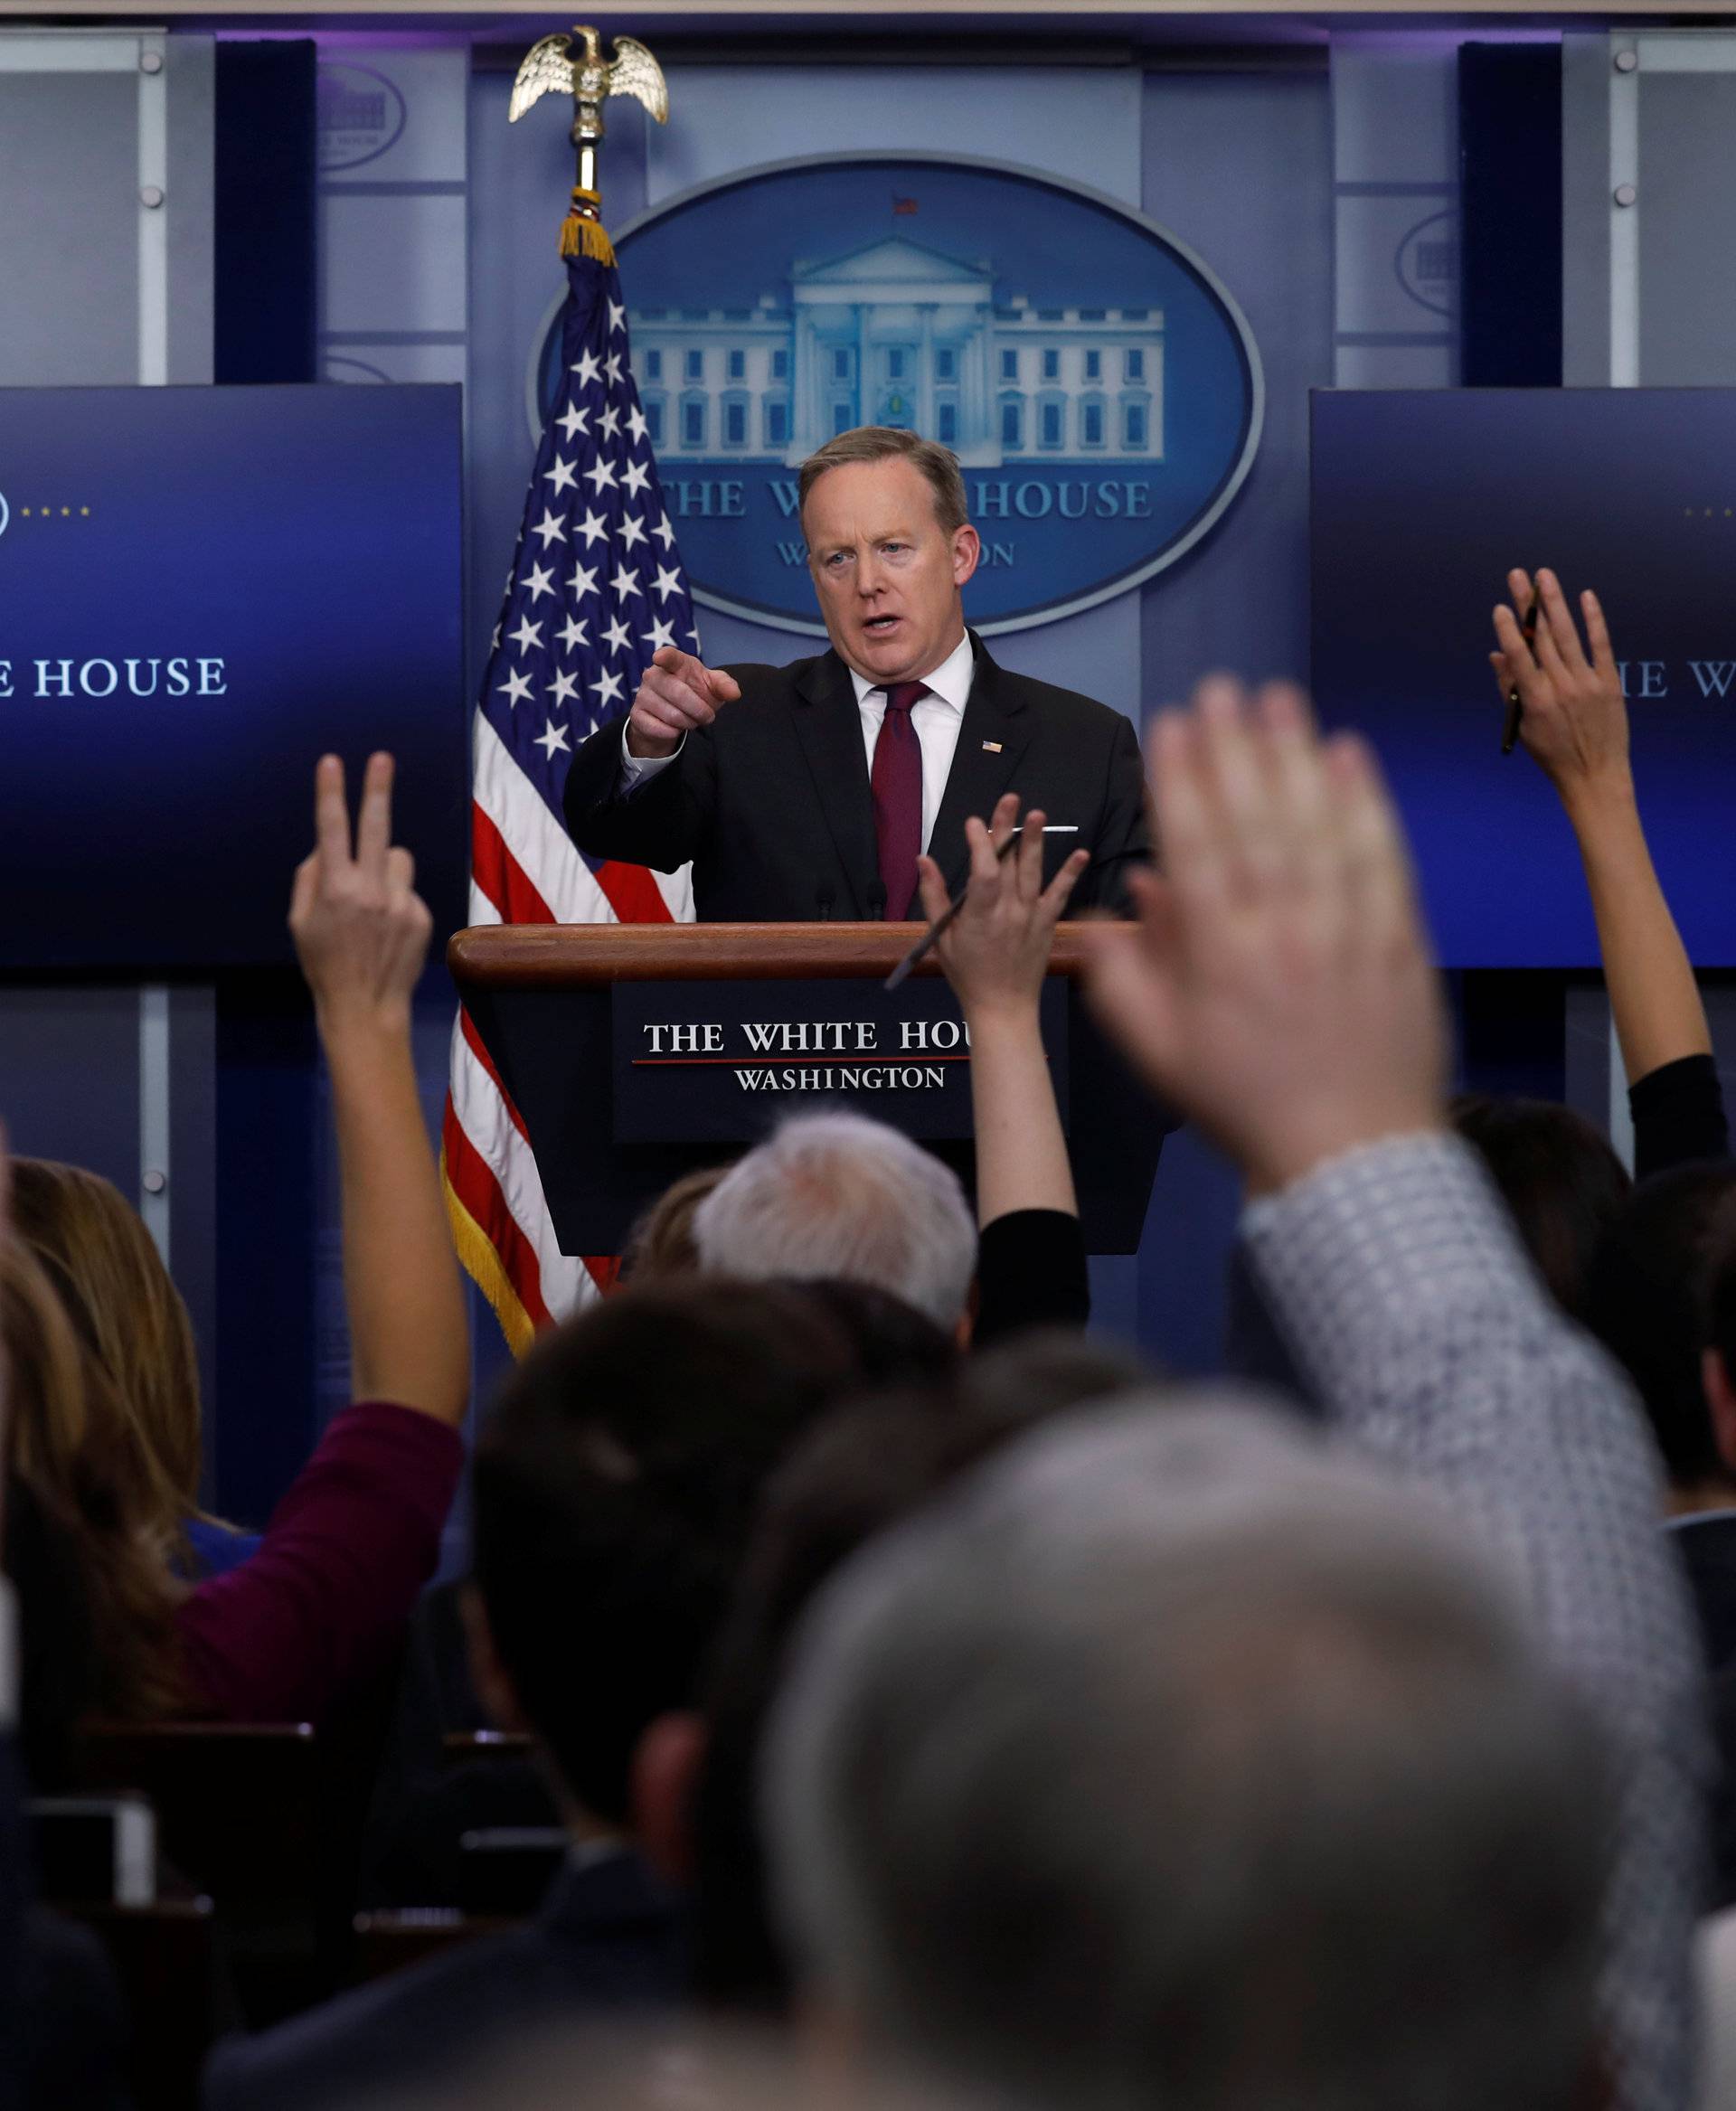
(825,895)
(877,902)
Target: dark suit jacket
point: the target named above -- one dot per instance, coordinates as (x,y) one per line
(604,1945)
(772,803)
(73,2020)
(1707,1548)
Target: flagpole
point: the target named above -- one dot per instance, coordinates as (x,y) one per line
(547,69)
(597,588)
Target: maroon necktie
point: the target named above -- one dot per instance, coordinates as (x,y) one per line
(898,798)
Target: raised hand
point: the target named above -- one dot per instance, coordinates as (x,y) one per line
(1575,720)
(678,692)
(360,928)
(1575,725)
(1277,985)
(996,951)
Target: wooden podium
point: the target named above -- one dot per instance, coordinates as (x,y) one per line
(635,1052)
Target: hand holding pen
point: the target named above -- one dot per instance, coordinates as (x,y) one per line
(994,940)
(1516,699)
(1574,719)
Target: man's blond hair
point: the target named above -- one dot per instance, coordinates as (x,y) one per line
(883,443)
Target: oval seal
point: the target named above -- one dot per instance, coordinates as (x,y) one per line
(1101,390)
(361,115)
(1426,262)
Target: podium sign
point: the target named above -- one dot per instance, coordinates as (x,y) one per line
(563,1011)
(723,1061)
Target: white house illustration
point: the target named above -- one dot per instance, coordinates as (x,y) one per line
(895,334)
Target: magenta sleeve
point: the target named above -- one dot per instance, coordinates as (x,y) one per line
(321,1603)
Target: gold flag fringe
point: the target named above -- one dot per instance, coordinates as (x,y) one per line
(584,235)
(481,1262)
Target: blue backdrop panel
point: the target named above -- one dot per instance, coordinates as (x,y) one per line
(202,590)
(1422,500)
(1510,203)
(265,292)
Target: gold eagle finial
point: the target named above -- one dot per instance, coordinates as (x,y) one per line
(546,69)
(588,79)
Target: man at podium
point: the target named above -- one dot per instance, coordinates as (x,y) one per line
(808,791)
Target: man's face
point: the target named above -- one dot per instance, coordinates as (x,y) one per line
(887,574)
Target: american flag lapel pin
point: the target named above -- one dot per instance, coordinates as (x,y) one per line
(991,746)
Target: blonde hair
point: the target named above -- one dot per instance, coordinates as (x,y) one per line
(661,1242)
(69,1437)
(885,443)
(123,1303)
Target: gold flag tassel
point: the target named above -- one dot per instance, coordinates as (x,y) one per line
(583,234)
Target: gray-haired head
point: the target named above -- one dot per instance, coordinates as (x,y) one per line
(835,1195)
(1178,1759)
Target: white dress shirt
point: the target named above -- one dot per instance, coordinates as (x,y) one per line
(935,717)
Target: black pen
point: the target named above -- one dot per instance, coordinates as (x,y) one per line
(926,942)
(1515,702)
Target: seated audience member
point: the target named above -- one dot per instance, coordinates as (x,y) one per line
(1574,724)
(721,2068)
(107,1272)
(661,1243)
(839,1195)
(1649,1287)
(62,2022)
(1557,1173)
(424,1805)
(613,1491)
(320,1606)
(862,1468)
(1560,1180)
(965,1821)
(1665,1286)
(1175,1760)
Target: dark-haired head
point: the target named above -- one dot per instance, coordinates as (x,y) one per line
(1559,1177)
(615,1484)
(861,1469)
(1649,1286)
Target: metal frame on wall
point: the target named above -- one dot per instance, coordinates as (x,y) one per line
(143,53)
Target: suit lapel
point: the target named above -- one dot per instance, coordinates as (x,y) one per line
(828,725)
(994,733)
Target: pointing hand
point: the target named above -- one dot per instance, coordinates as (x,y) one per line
(678,692)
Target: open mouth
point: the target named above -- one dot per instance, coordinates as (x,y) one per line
(878,626)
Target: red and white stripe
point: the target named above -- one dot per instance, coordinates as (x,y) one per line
(525,869)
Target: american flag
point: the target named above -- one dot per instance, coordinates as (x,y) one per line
(596,588)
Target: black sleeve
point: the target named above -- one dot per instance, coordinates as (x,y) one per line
(1124,837)
(1678,1112)
(75,2019)
(15,1892)
(662,823)
(1030,1272)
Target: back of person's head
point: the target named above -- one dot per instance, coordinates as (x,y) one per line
(71,1443)
(628,2064)
(836,1194)
(1038,1374)
(661,1243)
(1560,1180)
(862,1468)
(1648,1306)
(891,1342)
(614,1487)
(111,1281)
(1173,1760)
